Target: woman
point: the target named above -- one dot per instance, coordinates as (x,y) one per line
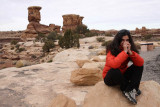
(116,71)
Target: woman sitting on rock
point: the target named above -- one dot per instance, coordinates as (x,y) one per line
(116,71)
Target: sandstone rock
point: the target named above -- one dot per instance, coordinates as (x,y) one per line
(103,96)
(34,14)
(96,59)
(22,63)
(62,101)
(82,62)
(94,65)
(102,52)
(34,27)
(71,21)
(84,76)
(102,57)
(71,55)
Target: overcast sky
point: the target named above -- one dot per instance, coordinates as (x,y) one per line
(98,14)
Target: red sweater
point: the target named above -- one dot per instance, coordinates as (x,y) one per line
(121,61)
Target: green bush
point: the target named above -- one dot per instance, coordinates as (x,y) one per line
(17,46)
(106,43)
(34,56)
(49,44)
(14,42)
(41,37)
(69,40)
(81,29)
(100,39)
(138,46)
(90,34)
(52,36)
(50,61)
(21,49)
(147,37)
(108,34)
(12,48)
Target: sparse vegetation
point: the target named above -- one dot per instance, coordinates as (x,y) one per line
(41,37)
(138,46)
(147,37)
(100,39)
(69,40)
(34,56)
(21,49)
(49,44)
(108,34)
(90,34)
(50,61)
(106,43)
(12,48)
(14,42)
(81,29)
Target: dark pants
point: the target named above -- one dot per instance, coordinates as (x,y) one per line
(128,81)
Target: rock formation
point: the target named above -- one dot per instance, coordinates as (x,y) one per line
(71,21)
(103,96)
(86,76)
(34,27)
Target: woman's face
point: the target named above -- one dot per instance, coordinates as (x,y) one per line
(124,39)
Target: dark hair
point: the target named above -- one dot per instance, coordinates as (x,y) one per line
(114,46)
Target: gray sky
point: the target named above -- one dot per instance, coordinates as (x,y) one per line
(98,14)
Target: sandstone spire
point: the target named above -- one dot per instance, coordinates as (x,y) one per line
(71,21)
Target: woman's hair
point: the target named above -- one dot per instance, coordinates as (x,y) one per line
(114,46)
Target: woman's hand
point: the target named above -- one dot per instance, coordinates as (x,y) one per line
(125,46)
(129,49)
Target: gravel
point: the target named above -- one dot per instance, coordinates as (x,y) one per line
(151,65)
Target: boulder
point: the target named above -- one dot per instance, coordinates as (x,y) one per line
(94,65)
(96,59)
(86,76)
(102,95)
(62,101)
(102,52)
(82,62)
(22,63)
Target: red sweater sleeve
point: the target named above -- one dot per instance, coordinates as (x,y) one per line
(115,62)
(136,59)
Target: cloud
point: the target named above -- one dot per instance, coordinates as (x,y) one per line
(98,14)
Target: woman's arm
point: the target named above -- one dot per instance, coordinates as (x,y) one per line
(115,62)
(136,59)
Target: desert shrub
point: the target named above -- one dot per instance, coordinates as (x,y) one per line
(91,34)
(12,48)
(14,42)
(106,43)
(50,61)
(34,56)
(17,46)
(52,36)
(49,44)
(138,46)
(147,37)
(41,37)
(108,34)
(100,39)
(81,29)
(21,49)
(69,40)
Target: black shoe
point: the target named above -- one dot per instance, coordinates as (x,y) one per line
(131,96)
(138,92)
